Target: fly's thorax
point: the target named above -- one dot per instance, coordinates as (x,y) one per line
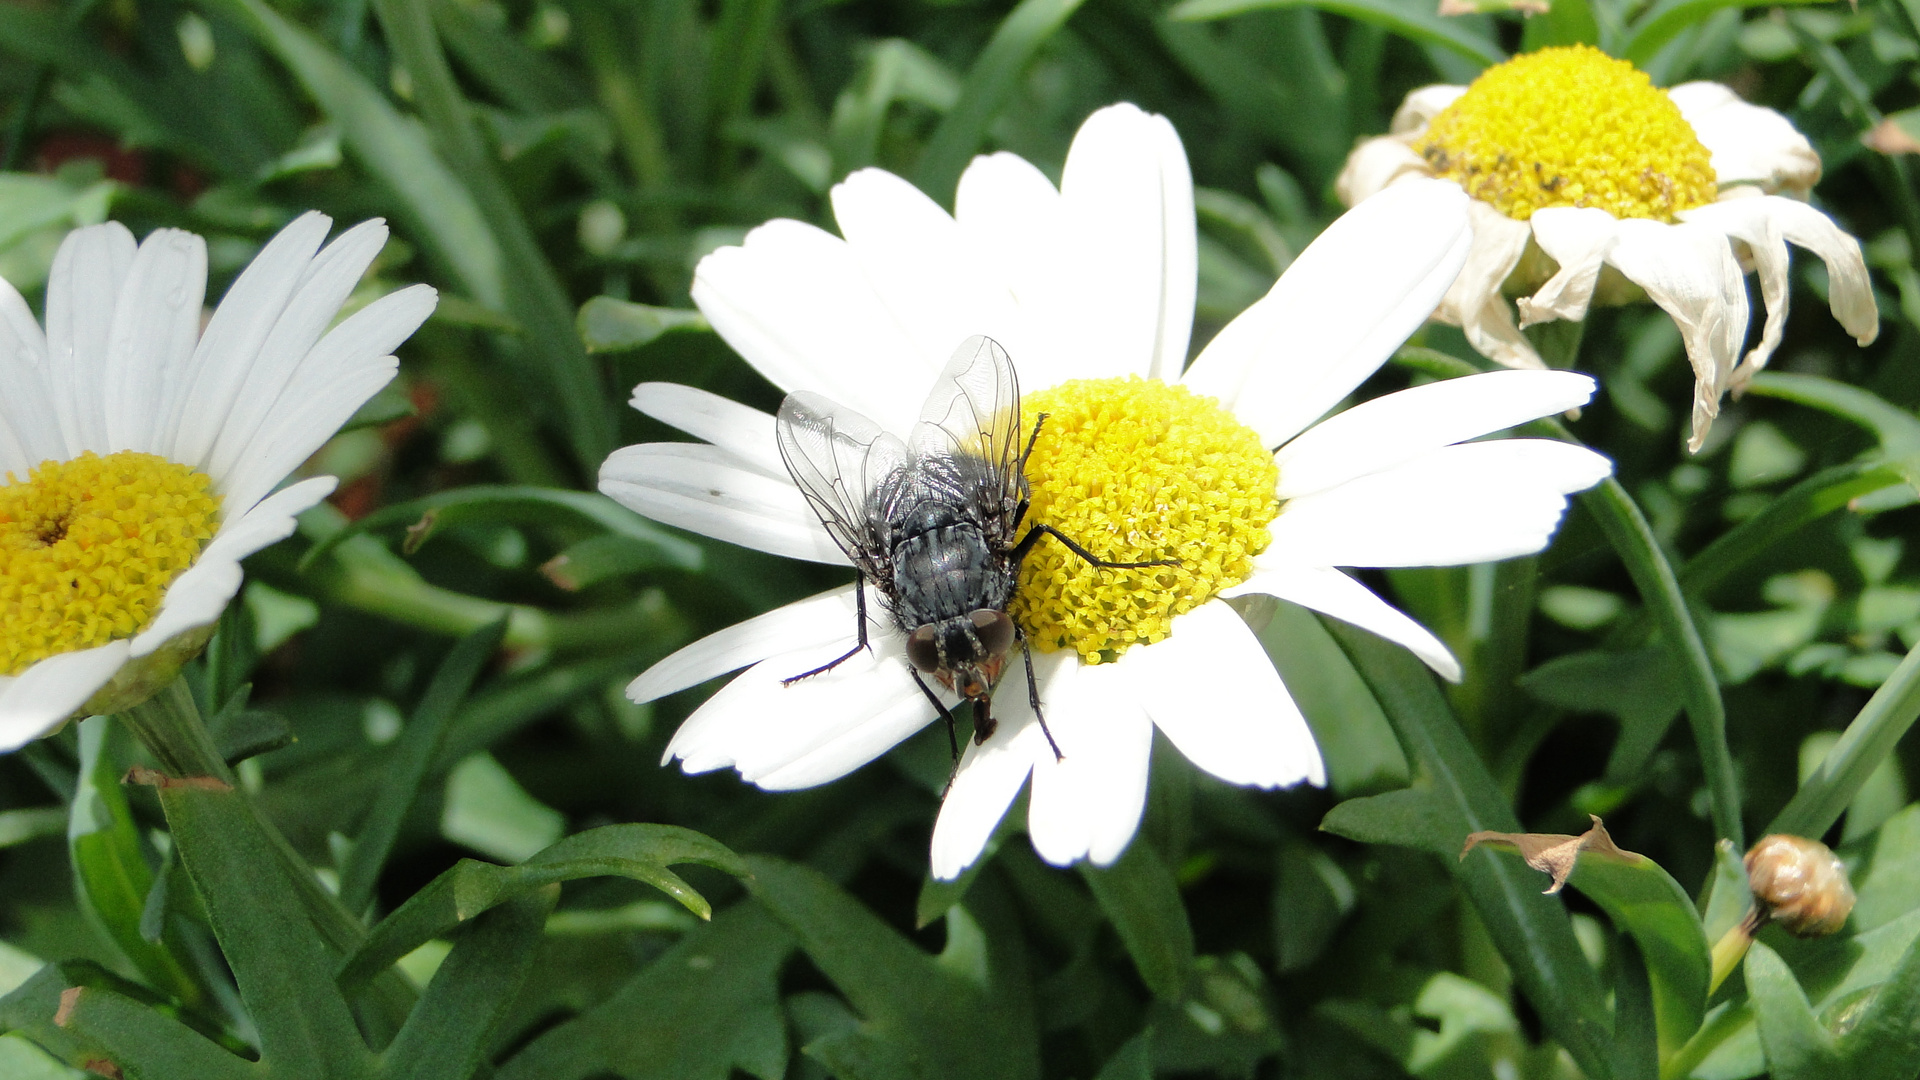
(945,573)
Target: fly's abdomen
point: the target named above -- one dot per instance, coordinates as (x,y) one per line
(943,573)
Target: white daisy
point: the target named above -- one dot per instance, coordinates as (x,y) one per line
(1090,288)
(141,454)
(1674,190)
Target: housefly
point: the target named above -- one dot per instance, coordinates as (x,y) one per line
(933,524)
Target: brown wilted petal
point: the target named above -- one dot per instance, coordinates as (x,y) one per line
(1551,853)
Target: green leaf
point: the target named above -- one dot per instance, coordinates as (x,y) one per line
(1532,931)
(1896,428)
(1133,1061)
(1142,900)
(1886,871)
(636,851)
(700,1010)
(1638,687)
(411,762)
(1797,1046)
(1884,1043)
(1872,735)
(599,558)
(1411,19)
(92,1021)
(610,325)
(449,1033)
(990,82)
(923,1016)
(1645,902)
(1785,514)
(1666,19)
(1636,1015)
(487,810)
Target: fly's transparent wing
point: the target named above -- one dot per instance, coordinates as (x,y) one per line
(974,413)
(840,459)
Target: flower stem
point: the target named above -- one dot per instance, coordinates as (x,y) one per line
(1732,946)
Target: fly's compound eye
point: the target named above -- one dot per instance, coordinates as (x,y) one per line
(921,650)
(994,629)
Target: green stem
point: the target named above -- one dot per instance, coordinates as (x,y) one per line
(1862,747)
(1731,948)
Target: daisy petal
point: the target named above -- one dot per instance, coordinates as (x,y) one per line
(816,620)
(29,426)
(1339,311)
(40,698)
(155,328)
(1473,502)
(1765,224)
(1375,164)
(1749,144)
(1475,303)
(1087,803)
(1579,239)
(1689,270)
(989,777)
(1387,431)
(1331,592)
(1212,689)
(83,289)
(741,430)
(706,490)
(1418,108)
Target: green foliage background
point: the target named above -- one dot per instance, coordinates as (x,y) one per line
(422,691)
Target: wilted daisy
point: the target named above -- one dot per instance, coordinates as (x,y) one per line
(141,454)
(1090,288)
(1674,190)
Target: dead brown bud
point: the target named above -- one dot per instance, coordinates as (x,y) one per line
(1800,884)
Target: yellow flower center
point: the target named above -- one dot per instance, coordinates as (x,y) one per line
(89,546)
(1570,127)
(1135,470)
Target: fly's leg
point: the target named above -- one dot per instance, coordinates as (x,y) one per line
(860,607)
(1033,699)
(953,740)
(1033,537)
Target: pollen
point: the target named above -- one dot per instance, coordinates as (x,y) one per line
(1570,126)
(1136,470)
(89,546)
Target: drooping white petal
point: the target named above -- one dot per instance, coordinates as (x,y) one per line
(1087,803)
(1468,503)
(1749,144)
(1475,303)
(1690,271)
(794,301)
(1579,238)
(1374,164)
(38,699)
(990,775)
(156,325)
(197,409)
(706,490)
(83,289)
(198,596)
(1387,431)
(1211,688)
(802,624)
(1766,223)
(1339,311)
(1418,108)
(29,426)
(1327,590)
(741,430)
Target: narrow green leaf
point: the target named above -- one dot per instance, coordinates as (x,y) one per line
(1133,1061)
(1644,901)
(1783,515)
(412,760)
(1666,19)
(1727,897)
(79,1014)
(1884,1042)
(703,1008)
(1411,19)
(22,826)
(1636,1054)
(1142,900)
(636,851)
(448,1035)
(609,325)
(1872,735)
(1638,687)
(1798,1047)
(1897,429)
(989,83)
(738,51)
(1531,931)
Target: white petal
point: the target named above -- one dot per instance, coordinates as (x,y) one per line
(1473,502)
(816,620)
(1689,270)
(1087,803)
(1749,144)
(38,699)
(83,289)
(1765,224)
(1010,217)
(706,490)
(29,424)
(1375,164)
(1475,303)
(795,303)
(155,327)
(990,775)
(1387,431)
(741,430)
(234,336)
(197,597)
(1418,109)
(1579,238)
(1212,689)
(1327,590)
(1339,311)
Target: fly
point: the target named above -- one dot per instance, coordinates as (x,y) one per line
(934,524)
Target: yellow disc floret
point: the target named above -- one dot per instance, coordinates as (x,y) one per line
(1570,127)
(89,546)
(1136,470)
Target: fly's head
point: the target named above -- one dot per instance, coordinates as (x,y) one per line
(966,653)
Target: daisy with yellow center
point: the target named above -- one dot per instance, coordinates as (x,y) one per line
(1090,289)
(1579,156)
(139,455)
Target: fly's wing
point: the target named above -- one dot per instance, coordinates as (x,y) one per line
(972,419)
(841,460)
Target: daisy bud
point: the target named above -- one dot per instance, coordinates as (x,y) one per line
(1800,884)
